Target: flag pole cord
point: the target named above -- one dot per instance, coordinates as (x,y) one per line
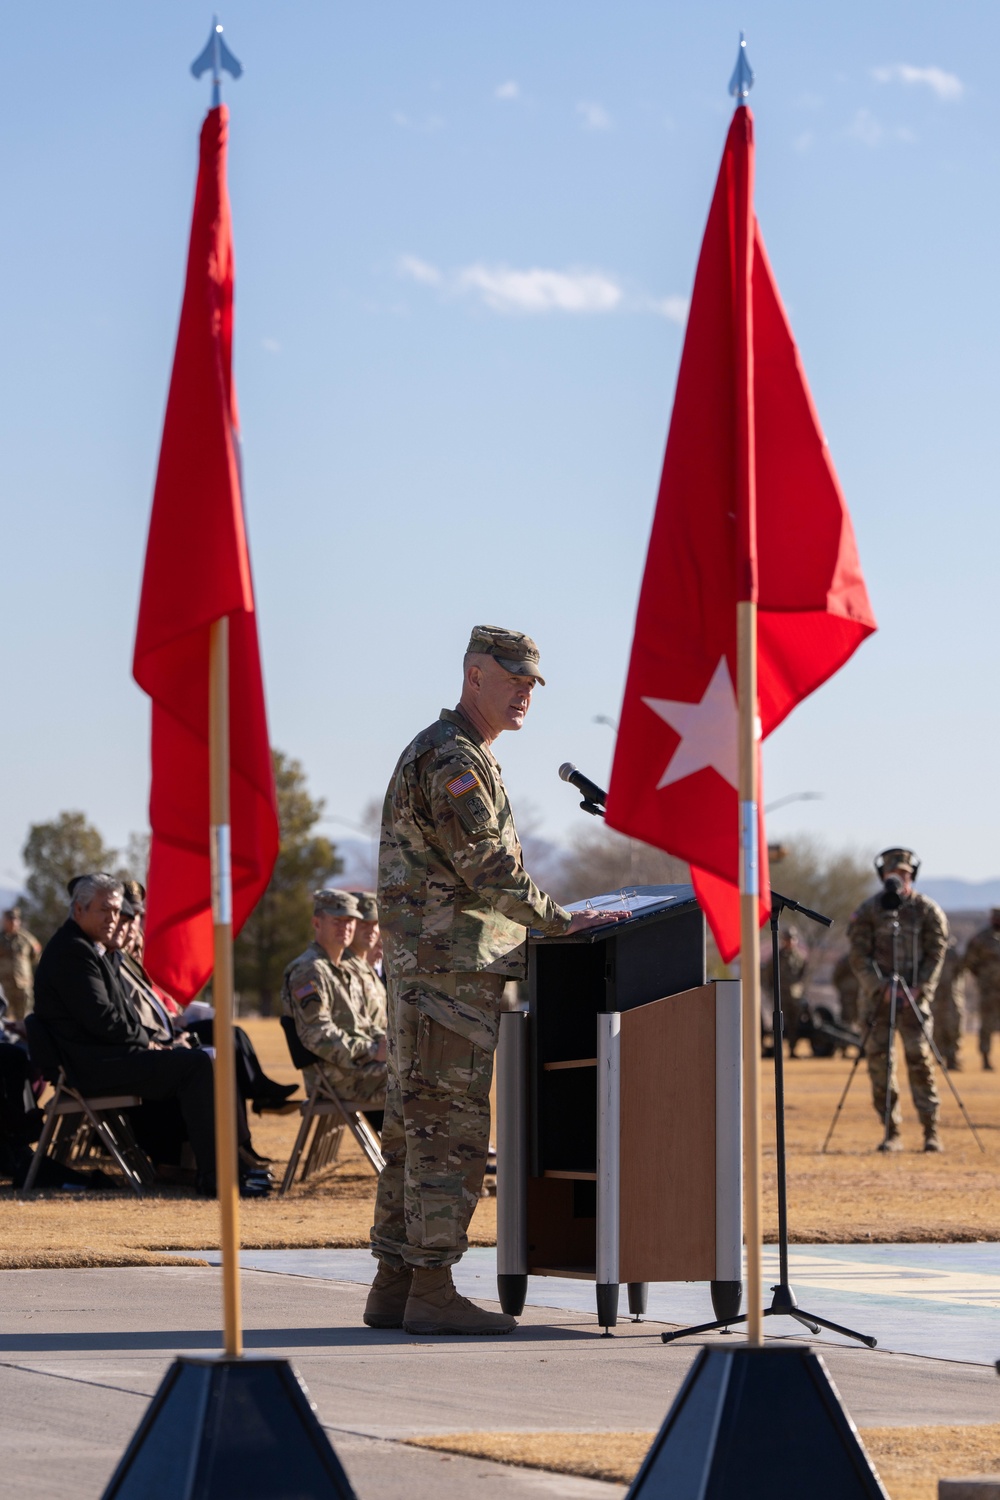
(226,1173)
(746,621)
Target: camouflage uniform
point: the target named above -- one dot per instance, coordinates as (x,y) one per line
(19,953)
(948,1007)
(982,959)
(919,951)
(845,982)
(327,1003)
(372,989)
(454,902)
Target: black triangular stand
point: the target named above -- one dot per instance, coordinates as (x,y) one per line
(219,1428)
(757,1424)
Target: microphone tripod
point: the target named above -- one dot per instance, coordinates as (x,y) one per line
(783,1300)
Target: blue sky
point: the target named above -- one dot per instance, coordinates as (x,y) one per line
(464,239)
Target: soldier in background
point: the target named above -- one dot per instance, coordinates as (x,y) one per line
(916,953)
(455,903)
(324,997)
(19,953)
(793,961)
(948,1008)
(982,959)
(845,982)
(361,956)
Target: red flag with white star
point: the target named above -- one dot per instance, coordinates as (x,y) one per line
(674,779)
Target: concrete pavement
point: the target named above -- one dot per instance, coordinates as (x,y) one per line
(82,1350)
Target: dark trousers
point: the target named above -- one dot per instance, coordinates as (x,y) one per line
(184,1075)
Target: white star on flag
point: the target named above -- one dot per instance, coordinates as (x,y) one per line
(708,730)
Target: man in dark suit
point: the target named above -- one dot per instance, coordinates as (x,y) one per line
(99,1039)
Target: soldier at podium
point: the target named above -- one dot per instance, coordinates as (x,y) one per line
(455,903)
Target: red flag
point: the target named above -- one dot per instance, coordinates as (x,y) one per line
(674,779)
(198,570)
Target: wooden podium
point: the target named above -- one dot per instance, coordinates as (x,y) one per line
(618,1111)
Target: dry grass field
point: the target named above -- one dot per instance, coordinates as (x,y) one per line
(851,1194)
(910,1460)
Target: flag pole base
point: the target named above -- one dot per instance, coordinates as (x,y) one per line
(757,1422)
(220,1426)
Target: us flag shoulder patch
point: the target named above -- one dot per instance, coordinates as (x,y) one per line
(462,784)
(304,990)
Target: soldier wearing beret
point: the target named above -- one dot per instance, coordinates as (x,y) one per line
(324,997)
(899,931)
(982,959)
(455,903)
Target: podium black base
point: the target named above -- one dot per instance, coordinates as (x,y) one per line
(218,1428)
(512,1292)
(726,1299)
(758,1423)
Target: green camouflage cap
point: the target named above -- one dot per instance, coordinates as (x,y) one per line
(367,905)
(897,859)
(335,904)
(514,651)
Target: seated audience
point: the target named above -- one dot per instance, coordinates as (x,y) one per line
(98,1036)
(364,953)
(325,997)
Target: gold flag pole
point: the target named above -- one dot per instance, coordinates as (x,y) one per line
(746,647)
(226,1169)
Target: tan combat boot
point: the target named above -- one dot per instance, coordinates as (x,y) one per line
(387,1298)
(932,1141)
(893,1141)
(434,1306)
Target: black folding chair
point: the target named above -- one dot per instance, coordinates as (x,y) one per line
(329,1113)
(74,1123)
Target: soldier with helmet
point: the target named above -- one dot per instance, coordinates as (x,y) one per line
(899,931)
(982,959)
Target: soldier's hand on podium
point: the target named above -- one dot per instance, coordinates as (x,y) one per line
(583,921)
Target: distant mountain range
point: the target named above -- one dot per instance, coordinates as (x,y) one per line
(961,895)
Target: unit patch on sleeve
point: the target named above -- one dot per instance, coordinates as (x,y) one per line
(462,784)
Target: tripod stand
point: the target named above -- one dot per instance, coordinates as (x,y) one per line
(783,1300)
(897,986)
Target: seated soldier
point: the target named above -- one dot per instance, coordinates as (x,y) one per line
(324,997)
(362,955)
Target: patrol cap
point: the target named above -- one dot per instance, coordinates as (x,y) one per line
(897,859)
(12,911)
(135,892)
(335,904)
(367,905)
(514,651)
(128,910)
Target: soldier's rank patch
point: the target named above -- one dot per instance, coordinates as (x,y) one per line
(305,990)
(462,784)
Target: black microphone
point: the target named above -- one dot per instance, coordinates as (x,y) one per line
(591,793)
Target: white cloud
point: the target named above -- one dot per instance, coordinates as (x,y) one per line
(593,116)
(869,130)
(674,309)
(946,86)
(537,290)
(425,126)
(508,90)
(415,269)
(271,345)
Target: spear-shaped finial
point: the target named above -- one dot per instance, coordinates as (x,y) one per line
(216,56)
(742,80)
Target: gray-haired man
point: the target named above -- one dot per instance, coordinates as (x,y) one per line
(99,1040)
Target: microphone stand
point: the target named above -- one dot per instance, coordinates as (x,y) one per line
(783,1300)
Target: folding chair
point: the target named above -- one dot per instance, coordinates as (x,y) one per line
(75,1125)
(329,1113)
